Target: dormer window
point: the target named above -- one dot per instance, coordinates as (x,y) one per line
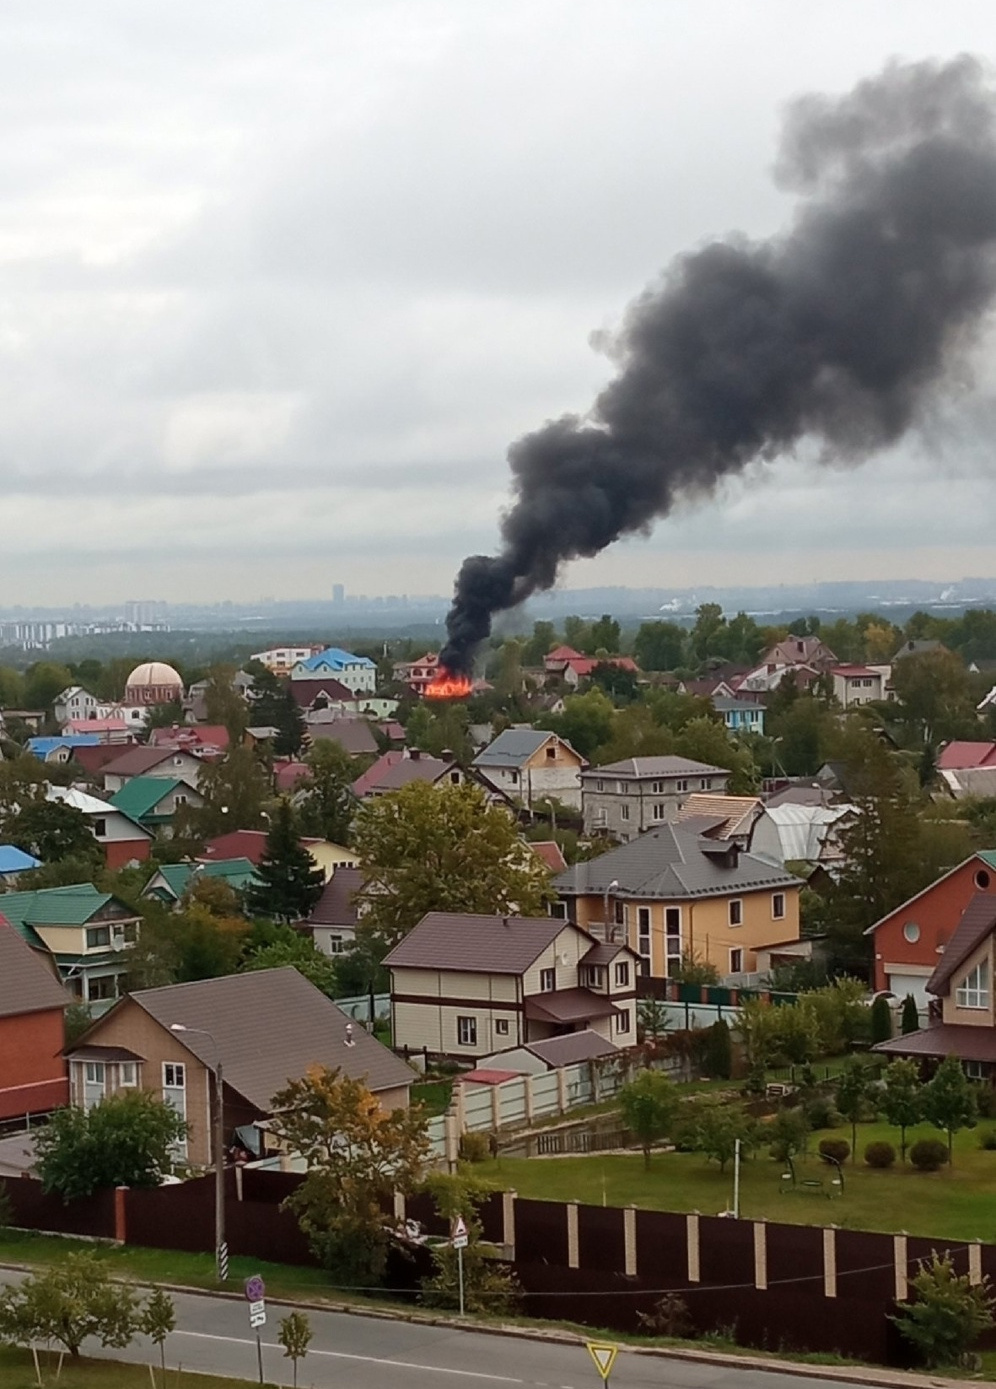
(973,991)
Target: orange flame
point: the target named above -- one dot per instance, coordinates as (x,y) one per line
(446,685)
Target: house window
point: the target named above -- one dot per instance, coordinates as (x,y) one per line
(657,788)
(104,987)
(551,753)
(681,785)
(97,937)
(100,829)
(336,946)
(672,938)
(558,910)
(622,975)
(455,778)
(619,912)
(657,811)
(599,786)
(973,991)
(175,1095)
(501,1027)
(174,1075)
(548,980)
(593,977)
(777,905)
(514,778)
(867,684)
(736,912)
(736,961)
(179,800)
(128,1075)
(643,920)
(94,1073)
(624,813)
(975,1070)
(911,932)
(622,1021)
(467,1032)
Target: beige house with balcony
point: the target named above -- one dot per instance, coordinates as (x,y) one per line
(623,799)
(467,986)
(86,932)
(530,765)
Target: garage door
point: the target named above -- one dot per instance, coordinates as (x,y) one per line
(915,984)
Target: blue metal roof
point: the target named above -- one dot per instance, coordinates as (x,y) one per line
(15,860)
(336,658)
(41,747)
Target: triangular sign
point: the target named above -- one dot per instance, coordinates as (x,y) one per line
(604,1355)
(459,1228)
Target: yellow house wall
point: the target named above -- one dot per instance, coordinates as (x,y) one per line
(328,857)
(951,1012)
(563,757)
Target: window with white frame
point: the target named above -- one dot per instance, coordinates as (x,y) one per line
(128,1075)
(501,1027)
(624,812)
(777,905)
(619,912)
(98,937)
(622,974)
(622,1021)
(973,991)
(467,1031)
(94,1075)
(657,788)
(736,912)
(681,784)
(559,910)
(336,945)
(736,961)
(175,1095)
(974,1070)
(548,980)
(657,811)
(672,938)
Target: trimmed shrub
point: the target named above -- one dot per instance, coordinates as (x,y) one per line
(475,1147)
(929,1154)
(985,1101)
(820,1112)
(881,1154)
(987,1140)
(717,1053)
(837,1148)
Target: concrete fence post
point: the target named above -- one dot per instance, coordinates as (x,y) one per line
(760,1255)
(561,1090)
(829,1261)
(629,1241)
(400,1207)
(975,1263)
(527,1097)
(692,1246)
(121,1214)
(496,1104)
(451,1140)
(508,1223)
(573,1259)
(899,1259)
(238,1182)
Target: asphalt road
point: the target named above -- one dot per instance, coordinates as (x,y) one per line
(350,1352)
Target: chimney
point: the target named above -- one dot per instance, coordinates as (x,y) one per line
(414,754)
(447,755)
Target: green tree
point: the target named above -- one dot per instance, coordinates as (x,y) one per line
(427,848)
(44,682)
(488,1286)
(716,1128)
(949,1102)
(706,740)
(157,1320)
(542,641)
(948,1313)
(881,1020)
(648,1105)
(224,705)
(294,1334)
(52,830)
(296,950)
(604,636)
(586,722)
(901,1099)
(356,1154)
(852,1095)
(288,882)
(326,803)
(235,791)
(933,696)
(659,646)
(788,1134)
(274,706)
(718,1054)
(68,1303)
(910,1019)
(126,1140)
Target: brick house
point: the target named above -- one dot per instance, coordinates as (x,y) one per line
(466,986)
(32,1005)
(267,1027)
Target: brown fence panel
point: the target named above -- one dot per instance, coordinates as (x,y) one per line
(661,1249)
(601,1238)
(262,1230)
(268,1187)
(492,1214)
(726,1251)
(33,1209)
(173,1217)
(541,1232)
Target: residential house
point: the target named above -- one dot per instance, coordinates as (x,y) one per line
(85,932)
(332,923)
(251,845)
(417,674)
(721,817)
(400,767)
(14,862)
(572,667)
(208,741)
(60,748)
(169,883)
(962,1017)
(75,703)
(123,839)
(623,799)
(113,730)
(354,736)
(809,834)
(32,1007)
(266,1028)
(551,855)
(327,693)
(531,765)
(909,941)
(854,685)
(740,715)
(467,986)
(922,647)
(968,769)
(534,1058)
(800,651)
(281,660)
(357,673)
(673,894)
(154,800)
(171,763)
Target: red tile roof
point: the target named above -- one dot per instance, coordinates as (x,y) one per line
(364,784)
(305,692)
(190,736)
(486,1075)
(551,854)
(964,756)
(94,759)
(288,775)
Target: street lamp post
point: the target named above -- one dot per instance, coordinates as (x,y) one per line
(610,928)
(220,1245)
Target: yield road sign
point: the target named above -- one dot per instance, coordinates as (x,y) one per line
(604,1355)
(458,1233)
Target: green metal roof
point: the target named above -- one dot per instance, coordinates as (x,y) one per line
(139,797)
(987,856)
(237,872)
(53,906)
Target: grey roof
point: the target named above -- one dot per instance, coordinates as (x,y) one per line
(476,944)
(271,1025)
(658,767)
(513,747)
(978,921)
(571,1048)
(141,761)
(670,862)
(28,983)
(354,736)
(603,953)
(336,906)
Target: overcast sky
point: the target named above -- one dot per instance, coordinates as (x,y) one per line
(280,282)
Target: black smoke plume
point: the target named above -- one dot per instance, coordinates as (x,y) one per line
(841,329)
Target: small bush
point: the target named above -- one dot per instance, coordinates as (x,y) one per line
(836,1148)
(987,1140)
(475,1147)
(985,1101)
(928,1154)
(881,1154)
(820,1113)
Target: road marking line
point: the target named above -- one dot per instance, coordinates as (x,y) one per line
(367,1359)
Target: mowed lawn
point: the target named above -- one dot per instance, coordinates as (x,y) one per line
(17,1371)
(957,1203)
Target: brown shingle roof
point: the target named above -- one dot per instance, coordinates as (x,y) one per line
(354,736)
(27,983)
(305,692)
(569,1005)
(410,769)
(140,761)
(336,907)
(946,1039)
(270,1025)
(571,1048)
(977,921)
(477,944)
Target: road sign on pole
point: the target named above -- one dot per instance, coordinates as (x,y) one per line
(604,1355)
(255,1289)
(257,1313)
(458,1233)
